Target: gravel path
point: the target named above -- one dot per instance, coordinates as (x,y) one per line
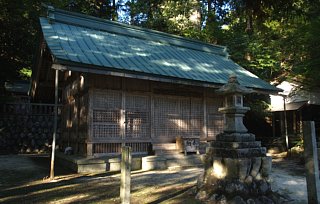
(22,181)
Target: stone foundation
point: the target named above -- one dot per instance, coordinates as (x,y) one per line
(236,167)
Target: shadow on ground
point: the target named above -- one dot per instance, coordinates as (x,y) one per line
(24,181)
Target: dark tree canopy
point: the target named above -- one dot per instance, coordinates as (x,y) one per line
(275,39)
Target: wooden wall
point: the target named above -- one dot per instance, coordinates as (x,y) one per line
(109,111)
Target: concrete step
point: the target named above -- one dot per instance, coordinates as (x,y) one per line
(82,164)
(165,152)
(164,148)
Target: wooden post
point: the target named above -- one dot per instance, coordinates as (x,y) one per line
(311,161)
(152,116)
(54,124)
(125,175)
(286,124)
(273,124)
(205,123)
(123,122)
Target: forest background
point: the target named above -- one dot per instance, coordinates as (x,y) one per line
(275,39)
(278,40)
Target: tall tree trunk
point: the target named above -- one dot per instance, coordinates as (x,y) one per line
(249,27)
(114,13)
(210,17)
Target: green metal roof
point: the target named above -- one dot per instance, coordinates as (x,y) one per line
(94,44)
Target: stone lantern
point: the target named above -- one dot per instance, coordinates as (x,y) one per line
(233,105)
(236,166)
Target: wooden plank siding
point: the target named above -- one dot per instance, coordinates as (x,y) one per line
(117,111)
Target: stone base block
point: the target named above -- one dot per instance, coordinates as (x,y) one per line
(81,164)
(243,169)
(235,145)
(236,137)
(237,153)
(153,163)
(115,164)
(92,168)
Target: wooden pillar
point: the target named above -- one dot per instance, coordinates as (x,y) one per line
(205,125)
(123,118)
(273,124)
(123,113)
(90,140)
(125,175)
(300,122)
(55,124)
(311,161)
(89,149)
(152,116)
(285,123)
(294,121)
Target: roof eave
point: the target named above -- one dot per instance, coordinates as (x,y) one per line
(64,65)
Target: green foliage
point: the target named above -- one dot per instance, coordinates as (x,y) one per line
(275,39)
(25,73)
(18,33)
(176,17)
(19,30)
(308,66)
(99,8)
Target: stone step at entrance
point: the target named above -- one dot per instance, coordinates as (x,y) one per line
(177,161)
(82,164)
(164,148)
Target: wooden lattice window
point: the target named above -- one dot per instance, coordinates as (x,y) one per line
(196,118)
(137,147)
(106,114)
(178,116)
(214,119)
(106,123)
(106,99)
(166,117)
(215,125)
(137,116)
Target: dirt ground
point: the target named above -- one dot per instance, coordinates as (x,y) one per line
(24,180)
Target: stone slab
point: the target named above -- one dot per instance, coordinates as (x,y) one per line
(115,164)
(239,153)
(112,163)
(153,163)
(236,145)
(236,137)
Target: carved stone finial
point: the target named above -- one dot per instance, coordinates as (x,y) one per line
(233,79)
(233,86)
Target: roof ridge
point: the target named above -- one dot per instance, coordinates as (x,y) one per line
(91,22)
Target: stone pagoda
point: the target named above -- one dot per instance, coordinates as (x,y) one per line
(236,166)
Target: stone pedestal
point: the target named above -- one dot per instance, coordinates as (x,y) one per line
(236,166)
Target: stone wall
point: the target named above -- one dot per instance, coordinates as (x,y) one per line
(27,128)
